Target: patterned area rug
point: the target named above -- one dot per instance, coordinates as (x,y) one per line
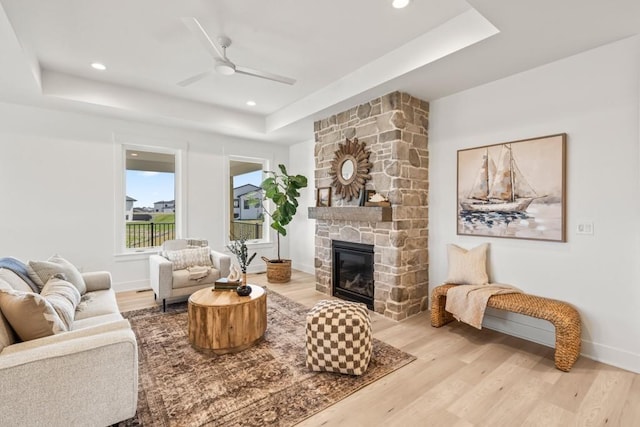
(265,385)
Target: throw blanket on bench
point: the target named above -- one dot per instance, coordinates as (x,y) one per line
(20,269)
(468,303)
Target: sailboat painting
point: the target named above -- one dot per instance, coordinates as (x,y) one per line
(514,189)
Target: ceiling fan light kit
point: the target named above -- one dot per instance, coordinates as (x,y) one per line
(399,4)
(223,65)
(225,68)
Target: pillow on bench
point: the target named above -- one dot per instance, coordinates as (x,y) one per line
(467,267)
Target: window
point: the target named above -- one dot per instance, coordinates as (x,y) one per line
(247,217)
(150,204)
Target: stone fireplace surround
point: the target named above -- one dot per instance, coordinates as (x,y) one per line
(394,128)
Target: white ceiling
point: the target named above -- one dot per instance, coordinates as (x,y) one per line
(340,52)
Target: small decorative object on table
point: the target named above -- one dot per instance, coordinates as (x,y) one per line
(238,247)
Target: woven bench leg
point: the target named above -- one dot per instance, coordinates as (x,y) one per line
(568,342)
(439,316)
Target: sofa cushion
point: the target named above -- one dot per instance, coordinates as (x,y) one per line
(64,297)
(181,279)
(467,267)
(97,303)
(42,271)
(30,315)
(190,257)
(14,280)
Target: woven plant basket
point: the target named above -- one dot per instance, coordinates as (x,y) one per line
(278,271)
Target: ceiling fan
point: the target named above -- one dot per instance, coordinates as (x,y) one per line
(222,64)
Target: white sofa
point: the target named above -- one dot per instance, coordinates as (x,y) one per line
(87,376)
(168,282)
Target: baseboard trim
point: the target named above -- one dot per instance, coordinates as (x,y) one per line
(135,285)
(305,268)
(613,356)
(535,330)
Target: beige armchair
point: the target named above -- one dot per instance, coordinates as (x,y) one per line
(168,282)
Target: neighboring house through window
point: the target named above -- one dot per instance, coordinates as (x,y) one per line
(129,208)
(246,198)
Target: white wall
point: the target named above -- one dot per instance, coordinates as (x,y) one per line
(57,186)
(594,98)
(302,230)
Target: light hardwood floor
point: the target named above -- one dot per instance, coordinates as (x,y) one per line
(466,377)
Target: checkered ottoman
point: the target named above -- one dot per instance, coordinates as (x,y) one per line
(339,337)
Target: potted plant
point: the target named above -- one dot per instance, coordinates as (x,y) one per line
(283,190)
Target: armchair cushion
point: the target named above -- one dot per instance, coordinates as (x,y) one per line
(181,279)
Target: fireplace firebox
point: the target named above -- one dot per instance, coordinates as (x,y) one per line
(353,272)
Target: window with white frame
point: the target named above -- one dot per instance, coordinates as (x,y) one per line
(150,197)
(247,214)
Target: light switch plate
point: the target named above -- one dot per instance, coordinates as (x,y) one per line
(585,227)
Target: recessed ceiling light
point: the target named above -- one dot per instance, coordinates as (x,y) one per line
(134,154)
(399,4)
(98,66)
(251,103)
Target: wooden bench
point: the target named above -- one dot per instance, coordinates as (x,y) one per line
(564,317)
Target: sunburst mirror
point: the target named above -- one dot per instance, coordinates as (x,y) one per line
(350,168)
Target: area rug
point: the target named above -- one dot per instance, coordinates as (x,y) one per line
(265,385)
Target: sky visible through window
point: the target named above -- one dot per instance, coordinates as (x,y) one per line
(148,187)
(254,178)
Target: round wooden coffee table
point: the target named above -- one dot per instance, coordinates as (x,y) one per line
(223,322)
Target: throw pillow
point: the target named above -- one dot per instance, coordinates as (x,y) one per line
(42,271)
(16,281)
(185,258)
(468,267)
(30,315)
(63,297)
(7,337)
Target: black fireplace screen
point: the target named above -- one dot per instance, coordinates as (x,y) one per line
(353,272)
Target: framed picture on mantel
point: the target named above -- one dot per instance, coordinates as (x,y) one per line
(323,197)
(514,189)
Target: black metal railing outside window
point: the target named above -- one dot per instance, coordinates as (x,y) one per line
(149,234)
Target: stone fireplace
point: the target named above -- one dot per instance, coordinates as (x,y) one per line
(394,128)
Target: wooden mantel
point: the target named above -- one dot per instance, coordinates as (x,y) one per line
(353,213)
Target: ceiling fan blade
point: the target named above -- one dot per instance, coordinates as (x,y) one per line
(191,80)
(194,25)
(265,75)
